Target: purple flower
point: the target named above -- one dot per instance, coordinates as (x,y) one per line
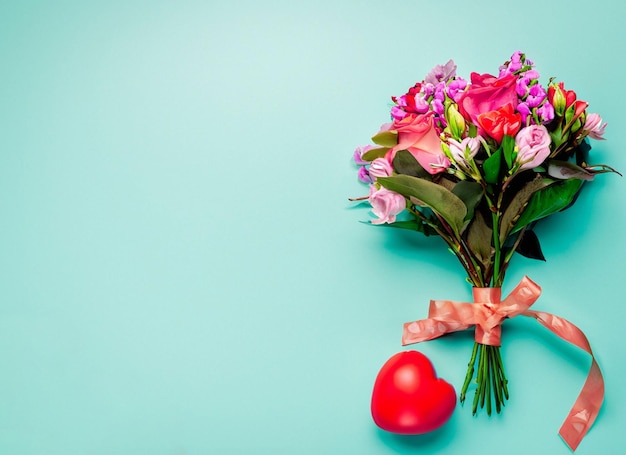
(511,66)
(438,106)
(428,90)
(421,105)
(524,110)
(440,92)
(545,112)
(515,64)
(364,175)
(456,88)
(358,154)
(531,74)
(517,56)
(441,73)
(398,113)
(521,87)
(536,95)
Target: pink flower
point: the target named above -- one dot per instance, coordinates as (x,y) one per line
(364,175)
(417,134)
(380,167)
(594,126)
(487,93)
(458,149)
(358,153)
(386,204)
(533,144)
(441,73)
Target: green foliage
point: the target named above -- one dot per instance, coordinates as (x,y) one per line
(442,201)
(411,225)
(479,236)
(517,205)
(372,154)
(491,167)
(557,196)
(471,193)
(405,163)
(508,150)
(386,138)
(529,246)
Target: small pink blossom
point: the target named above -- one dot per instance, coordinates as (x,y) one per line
(545,112)
(441,73)
(397,112)
(364,175)
(456,88)
(533,144)
(359,152)
(594,126)
(386,204)
(471,145)
(380,167)
(421,104)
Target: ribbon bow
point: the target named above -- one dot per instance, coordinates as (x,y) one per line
(487,313)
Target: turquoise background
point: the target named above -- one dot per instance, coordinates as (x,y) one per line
(181,271)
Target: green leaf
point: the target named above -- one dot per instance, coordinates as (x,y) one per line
(405,163)
(551,199)
(442,201)
(386,138)
(479,236)
(517,206)
(508,150)
(471,193)
(372,154)
(529,246)
(491,166)
(411,225)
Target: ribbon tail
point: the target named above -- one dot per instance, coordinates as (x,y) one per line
(444,316)
(587,406)
(428,329)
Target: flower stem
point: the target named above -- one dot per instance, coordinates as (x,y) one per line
(469,375)
(491,383)
(488,371)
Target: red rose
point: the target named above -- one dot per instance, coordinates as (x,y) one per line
(487,93)
(501,122)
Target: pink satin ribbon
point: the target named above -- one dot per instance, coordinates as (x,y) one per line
(487,313)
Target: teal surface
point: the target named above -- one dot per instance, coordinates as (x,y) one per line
(181,272)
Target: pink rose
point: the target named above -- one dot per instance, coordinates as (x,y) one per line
(533,144)
(417,134)
(386,204)
(380,167)
(487,93)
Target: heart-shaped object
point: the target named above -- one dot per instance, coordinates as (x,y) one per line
(408,398)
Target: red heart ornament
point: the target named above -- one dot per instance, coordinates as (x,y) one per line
(408,398)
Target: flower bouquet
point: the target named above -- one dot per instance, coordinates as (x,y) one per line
(479,163)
